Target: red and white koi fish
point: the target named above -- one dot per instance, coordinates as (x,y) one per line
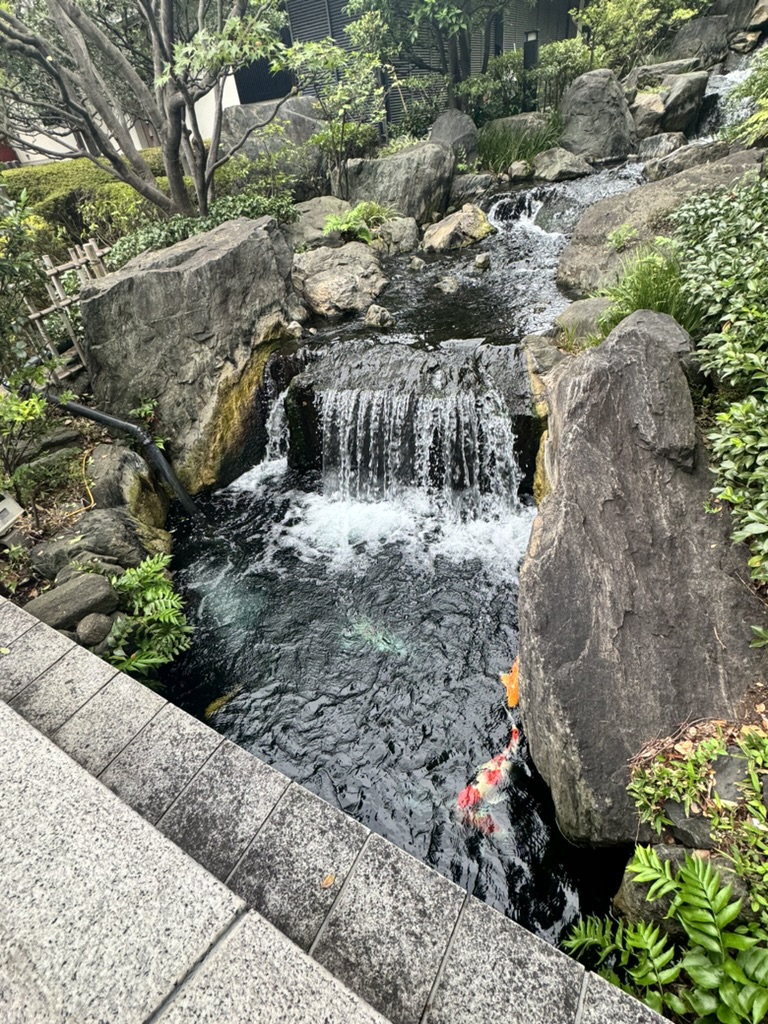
(474,800)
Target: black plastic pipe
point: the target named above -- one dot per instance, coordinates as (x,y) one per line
(151,452)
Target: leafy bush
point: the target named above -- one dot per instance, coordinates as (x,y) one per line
(423,98)
(116,210)
(499,145)
(154,630)
(715,974)
(58,191)
(159,235)
(724,267)
(20,276)
(498,92)
(653,279)
(623,33)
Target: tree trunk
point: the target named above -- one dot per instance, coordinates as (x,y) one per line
(172,160)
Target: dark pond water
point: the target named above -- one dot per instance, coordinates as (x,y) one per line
(357,623)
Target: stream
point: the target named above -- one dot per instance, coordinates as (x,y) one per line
(354,613)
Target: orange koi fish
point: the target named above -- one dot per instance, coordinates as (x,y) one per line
(510,682)
(473,801)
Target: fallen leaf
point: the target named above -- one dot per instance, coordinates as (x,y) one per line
(328,881)
(760,708)
(5,650)
(684,748)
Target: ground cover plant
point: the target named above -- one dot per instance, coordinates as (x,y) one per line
(705,959)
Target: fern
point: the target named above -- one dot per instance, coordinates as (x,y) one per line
(714,975)
(155,630)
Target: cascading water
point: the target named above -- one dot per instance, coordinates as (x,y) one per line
(359,604)
(379,444)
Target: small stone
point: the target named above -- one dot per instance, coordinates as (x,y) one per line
(448,285)
(294,329)
(93,629)
(378,316)
(417,263)
(520,170)
(693,831)
(483,261)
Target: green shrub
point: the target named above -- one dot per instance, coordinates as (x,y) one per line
(653,279)
(709,969)
(154,629)
(423,98)
(724,267)
(498,92)
(499,145)
(161,234)
(624,33)
(58,191)
(116,210)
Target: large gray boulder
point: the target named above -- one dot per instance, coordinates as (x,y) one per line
(413,183)
(294,125)
(655,147)
(184,327)
(468,188)
(674,107)
(685,158)
(590,262)
(705,38)
(597,123)
(648,77)
(633,615)
(338,281)
(457,130)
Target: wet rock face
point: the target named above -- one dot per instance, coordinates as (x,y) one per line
(705,38)
(633,618)
(182,327)
(597,121)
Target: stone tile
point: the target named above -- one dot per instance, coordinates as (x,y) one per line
(100,916)
(386,935)
(281,875)
(257,976)
(13,622)
(498,973)
(33,652)
(604,1002)
(97,733)
(155,766)
(222,808)
(61,690)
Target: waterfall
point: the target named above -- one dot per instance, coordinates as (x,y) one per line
(277,432)
(458,449)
